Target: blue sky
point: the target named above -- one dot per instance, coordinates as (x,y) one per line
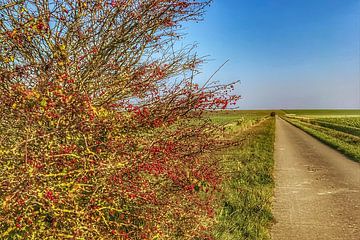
(287,53)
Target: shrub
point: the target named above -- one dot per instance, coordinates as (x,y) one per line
(101,134)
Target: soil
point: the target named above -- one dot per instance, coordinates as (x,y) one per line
(317,189)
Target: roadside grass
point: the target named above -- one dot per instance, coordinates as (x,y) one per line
(245,198)
(344,142)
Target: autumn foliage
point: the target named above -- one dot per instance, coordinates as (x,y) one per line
(101,134)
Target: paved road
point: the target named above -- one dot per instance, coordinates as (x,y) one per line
(317,192)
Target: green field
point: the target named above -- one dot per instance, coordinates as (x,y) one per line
(232,116)
(352,122)
(236,120)
(244,210)
(324,112)
(337,128)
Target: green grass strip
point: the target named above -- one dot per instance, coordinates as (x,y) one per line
(245,208)
(343,128)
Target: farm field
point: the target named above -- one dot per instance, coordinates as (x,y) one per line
(337,128)
(237,119)
(324,112)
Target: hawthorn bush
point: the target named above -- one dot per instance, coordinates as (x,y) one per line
(101,131)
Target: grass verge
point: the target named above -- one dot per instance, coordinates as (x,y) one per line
(245,208)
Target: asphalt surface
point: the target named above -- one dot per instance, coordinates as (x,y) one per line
(317,189)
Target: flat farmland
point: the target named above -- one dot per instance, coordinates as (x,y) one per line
(324,112)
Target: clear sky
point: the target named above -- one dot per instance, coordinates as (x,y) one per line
(287,53)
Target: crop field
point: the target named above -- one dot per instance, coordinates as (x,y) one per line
(239,120)
(338,128)
(324,112)
(231,116)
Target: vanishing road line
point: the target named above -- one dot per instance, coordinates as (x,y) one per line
(317,189)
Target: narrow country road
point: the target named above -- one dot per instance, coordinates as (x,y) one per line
(317,189)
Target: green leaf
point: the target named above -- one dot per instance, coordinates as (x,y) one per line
(43,102)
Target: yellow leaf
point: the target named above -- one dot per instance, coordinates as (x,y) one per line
(94,109)
(4,204)
(120,165)
(62,47)
(31,171)
(43,102)
(156,237)
(7,231)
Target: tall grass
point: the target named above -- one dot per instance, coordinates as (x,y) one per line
(245,208)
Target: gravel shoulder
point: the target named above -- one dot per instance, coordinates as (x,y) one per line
(317,189)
